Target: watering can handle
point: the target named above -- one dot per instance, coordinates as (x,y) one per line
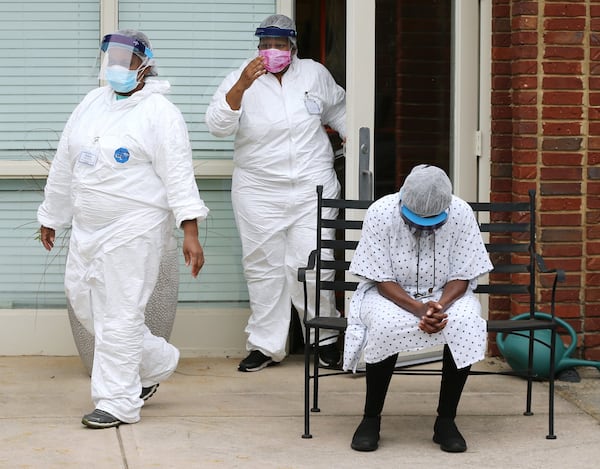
(563,324)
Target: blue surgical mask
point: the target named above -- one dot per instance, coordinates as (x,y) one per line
(121,79)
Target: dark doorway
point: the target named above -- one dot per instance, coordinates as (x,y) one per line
(412,87)
(413,41)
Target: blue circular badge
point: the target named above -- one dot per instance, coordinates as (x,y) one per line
(121,155)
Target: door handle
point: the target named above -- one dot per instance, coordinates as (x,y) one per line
(365,176)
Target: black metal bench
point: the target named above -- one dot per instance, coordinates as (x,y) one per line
(512,248)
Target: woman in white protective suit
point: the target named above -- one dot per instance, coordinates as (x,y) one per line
(276,105)
(122,177)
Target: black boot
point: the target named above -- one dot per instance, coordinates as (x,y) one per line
(379,375)
(447,436)
(445,432)
(366,436)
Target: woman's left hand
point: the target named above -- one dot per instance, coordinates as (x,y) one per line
(192,249)
(193,254)
(47,236)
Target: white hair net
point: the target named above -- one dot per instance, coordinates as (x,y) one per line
(427,191)
(141,37)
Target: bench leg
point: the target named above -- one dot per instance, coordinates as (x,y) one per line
(529,375)
(315,407)
(551,435)
(307,385)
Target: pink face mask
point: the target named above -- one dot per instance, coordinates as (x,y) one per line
(276,60)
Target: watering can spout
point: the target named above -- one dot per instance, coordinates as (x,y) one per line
(573,362)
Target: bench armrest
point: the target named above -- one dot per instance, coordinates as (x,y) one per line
(559,276)
(312,258)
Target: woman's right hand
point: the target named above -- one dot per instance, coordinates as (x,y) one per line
(251,72)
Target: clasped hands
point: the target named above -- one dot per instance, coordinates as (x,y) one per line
(433,319)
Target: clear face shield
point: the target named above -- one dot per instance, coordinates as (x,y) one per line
(122,58)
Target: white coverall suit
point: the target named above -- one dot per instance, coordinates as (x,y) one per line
(123,178)
(282,152)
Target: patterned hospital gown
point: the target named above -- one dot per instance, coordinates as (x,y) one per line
(390,250)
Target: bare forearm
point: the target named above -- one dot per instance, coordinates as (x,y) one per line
(453,290)
(190,228)
(394,292)
(234,96)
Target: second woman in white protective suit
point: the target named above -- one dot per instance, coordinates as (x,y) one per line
(276,105)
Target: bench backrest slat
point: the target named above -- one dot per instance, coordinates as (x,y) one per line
(509,225)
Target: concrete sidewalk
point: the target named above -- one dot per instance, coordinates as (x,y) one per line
(208,415)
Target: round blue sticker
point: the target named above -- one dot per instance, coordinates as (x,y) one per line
(121,155)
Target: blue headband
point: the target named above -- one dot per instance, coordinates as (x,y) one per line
(274,31)
(427,223)
(137,45)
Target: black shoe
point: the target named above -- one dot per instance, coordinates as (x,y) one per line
(329,355)
(100,419)
(366,436)
(255,361)
(148,392)
(447,436)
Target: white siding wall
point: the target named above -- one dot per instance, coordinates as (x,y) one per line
(196,43)
(48,51)
(30,277)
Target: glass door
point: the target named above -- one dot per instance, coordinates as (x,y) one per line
(412,87)
(411,73)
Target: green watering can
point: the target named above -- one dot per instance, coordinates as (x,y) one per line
(515,349)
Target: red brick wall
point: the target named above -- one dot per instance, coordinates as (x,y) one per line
(546,136)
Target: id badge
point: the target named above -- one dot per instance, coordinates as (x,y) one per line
(88,156)
(313,106)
